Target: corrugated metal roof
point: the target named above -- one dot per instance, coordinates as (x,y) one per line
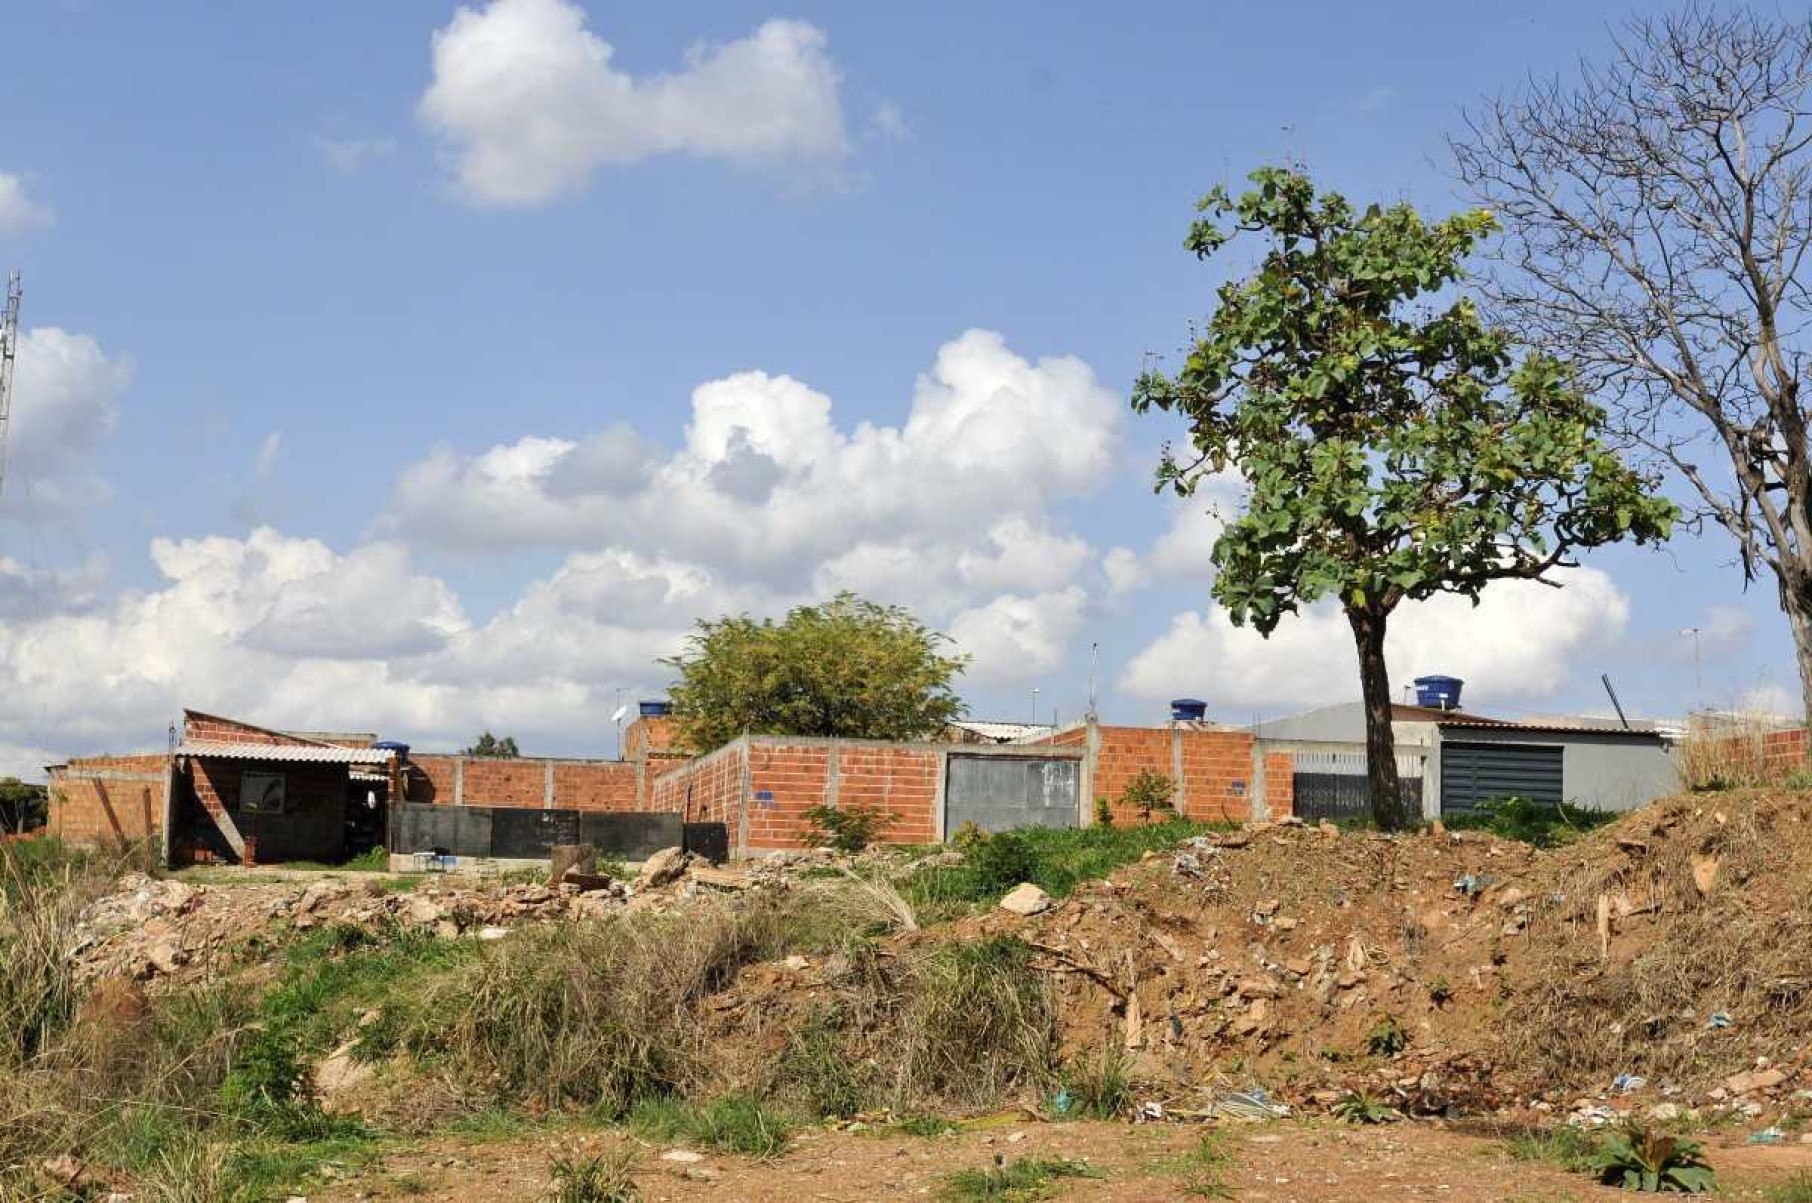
(293,753)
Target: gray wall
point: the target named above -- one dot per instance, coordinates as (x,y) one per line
(1602,770)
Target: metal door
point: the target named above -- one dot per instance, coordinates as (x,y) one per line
(1472,773)
(999,793)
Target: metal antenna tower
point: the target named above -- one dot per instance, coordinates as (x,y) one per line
(9,351)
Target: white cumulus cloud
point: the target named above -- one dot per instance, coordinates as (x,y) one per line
(66,395)
(528,102)
(18,211)
(1518,642)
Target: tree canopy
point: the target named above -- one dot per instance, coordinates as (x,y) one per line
(23,805)
(846,667)
(1390,444)
(490,747)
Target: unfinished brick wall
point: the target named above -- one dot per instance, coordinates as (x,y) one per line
(1280,784)
(900,781)
(210,728)
(707,790)
(596,786)
(98,800)
(1211,770)
(785,781)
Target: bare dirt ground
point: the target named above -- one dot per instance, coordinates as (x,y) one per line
(1282,1161)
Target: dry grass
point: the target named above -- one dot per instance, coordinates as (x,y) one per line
(603,1014)
(1737,948)
(1732,753)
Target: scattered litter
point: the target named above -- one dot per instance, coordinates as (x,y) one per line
(1595,1115)
(1625,1083)
(1247,1105)
(1719,1019)
(1473,884)
(1062,1103)
(1771,1135)
(1150,1113)
(683,1156)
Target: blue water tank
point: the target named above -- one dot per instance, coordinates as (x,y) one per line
(1188,710)
(1440,693)
(654,709)
(391,745)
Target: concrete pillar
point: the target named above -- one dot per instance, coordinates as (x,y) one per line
(547,785)
(459,781)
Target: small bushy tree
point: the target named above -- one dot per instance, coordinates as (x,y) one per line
(491,747)
(847,668)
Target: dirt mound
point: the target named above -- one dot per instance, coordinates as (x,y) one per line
(1659,962)
(1454,970)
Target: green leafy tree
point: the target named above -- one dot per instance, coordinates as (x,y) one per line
(846,667)
(23,806)
(1391,445)
(490,747)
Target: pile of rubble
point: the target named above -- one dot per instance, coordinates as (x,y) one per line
(1421,970)
(153,929)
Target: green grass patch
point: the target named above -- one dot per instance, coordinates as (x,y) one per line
(1563,1147)
(734,1123)
(1797,1189)
(1056,859)
(1542,824)
(1203,1168)
(1015,1182)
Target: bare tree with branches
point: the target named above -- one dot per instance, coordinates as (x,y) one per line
(1658,210)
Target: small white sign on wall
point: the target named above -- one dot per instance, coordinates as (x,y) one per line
(262,793)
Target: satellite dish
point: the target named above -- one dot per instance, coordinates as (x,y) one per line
(618,716)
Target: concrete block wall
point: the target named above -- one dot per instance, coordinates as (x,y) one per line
(108,799)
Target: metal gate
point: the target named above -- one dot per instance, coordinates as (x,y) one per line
(1473,773)
(999,793)
(1332,785)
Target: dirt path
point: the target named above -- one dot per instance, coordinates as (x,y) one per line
(1275,1162)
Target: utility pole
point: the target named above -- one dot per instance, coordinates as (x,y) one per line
(9,351)
(1698,684)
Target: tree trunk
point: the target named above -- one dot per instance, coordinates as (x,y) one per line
(1796,600)
(1380,739)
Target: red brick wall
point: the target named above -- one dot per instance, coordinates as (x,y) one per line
(784,782)
(1216,777)
(586,785)
(708,790)
(430,778)
(1280,784)
(211,728)
(91,810)
(901,781)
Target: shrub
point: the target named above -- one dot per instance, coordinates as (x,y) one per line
(845,828)
(1104,813)
(1098,1088)
(1001,862)
(1151,793)
(1358,1108)
(1541,824)
(1642,1159)
(603,1178)
(1387,1038)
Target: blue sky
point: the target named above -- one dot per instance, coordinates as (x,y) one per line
(300,279)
